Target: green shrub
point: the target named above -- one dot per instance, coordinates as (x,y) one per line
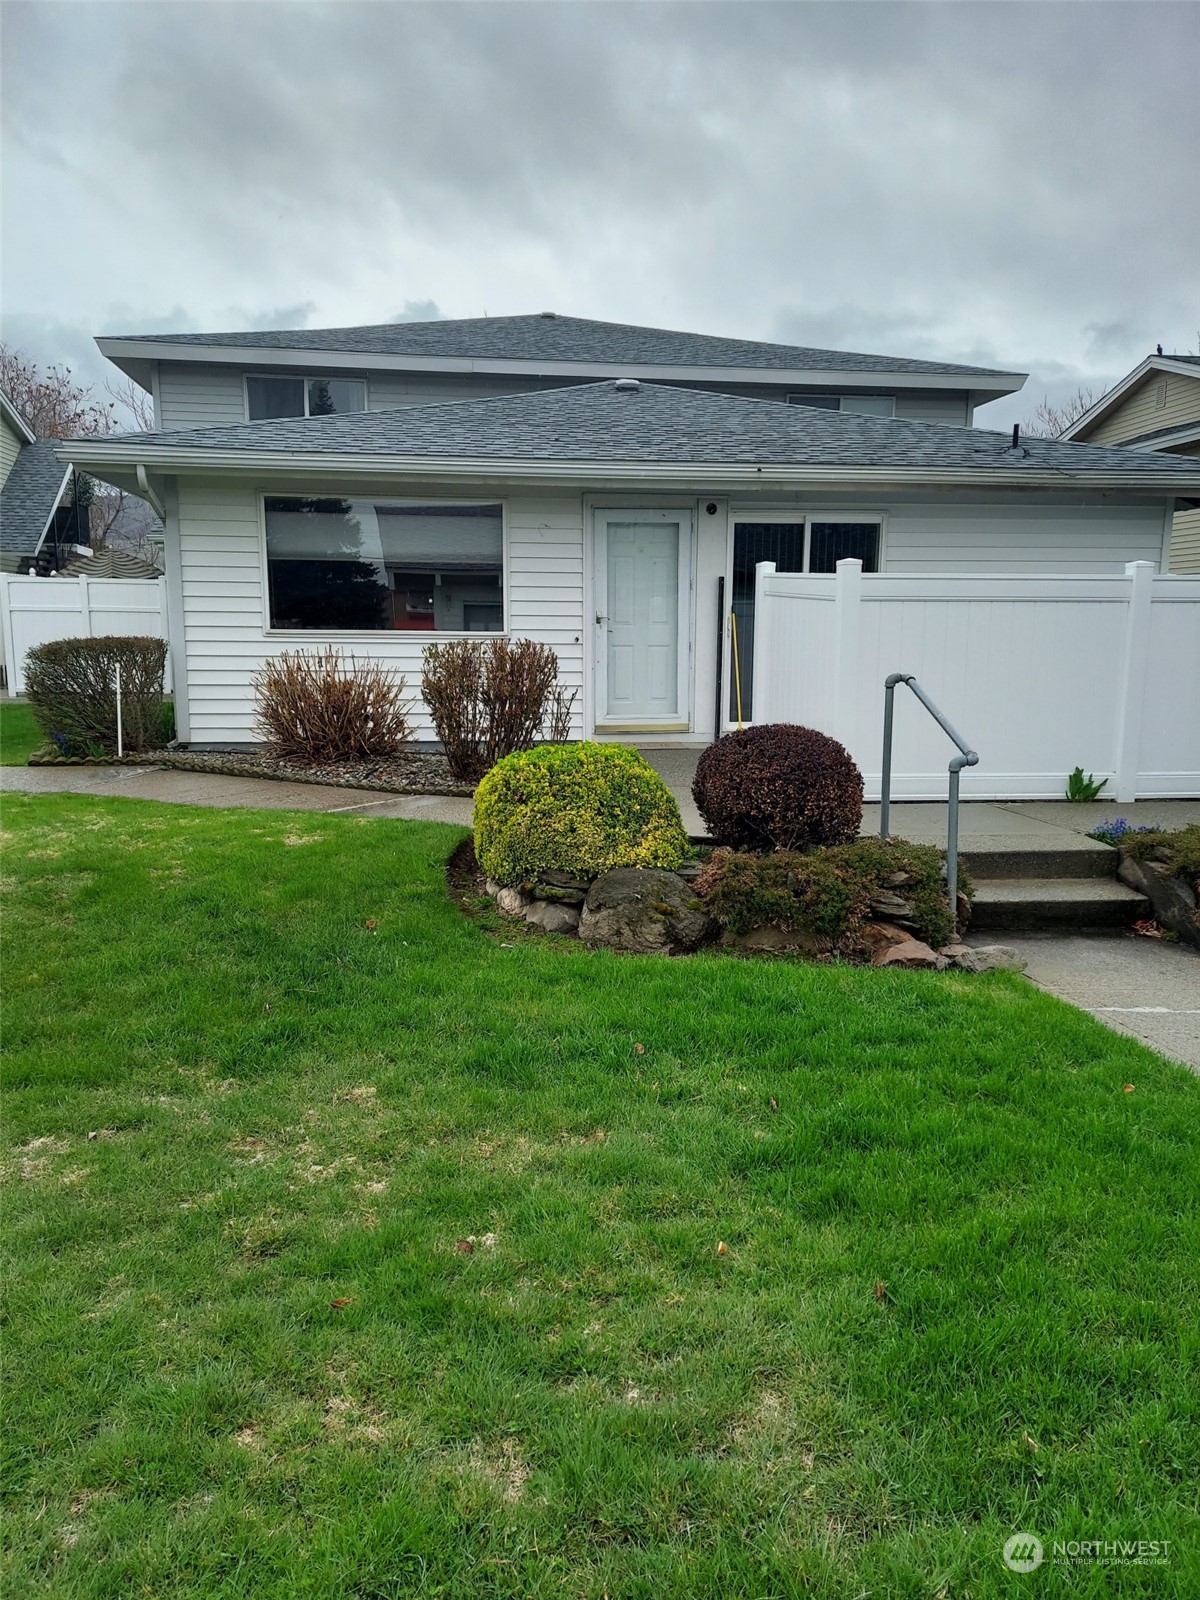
(72,689)
(828,892)
(779,787)
(577,808)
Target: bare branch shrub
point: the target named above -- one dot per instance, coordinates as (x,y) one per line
(72,689)
(322,706)
(489,698)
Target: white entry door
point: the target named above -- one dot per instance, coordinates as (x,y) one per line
(643,566)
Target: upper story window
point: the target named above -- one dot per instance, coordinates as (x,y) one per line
(866,405)
(338,565)
(268,397)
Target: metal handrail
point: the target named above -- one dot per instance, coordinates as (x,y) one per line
(966,758)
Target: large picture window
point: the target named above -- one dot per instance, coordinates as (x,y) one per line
(270,397)
(337,565)
(799,545)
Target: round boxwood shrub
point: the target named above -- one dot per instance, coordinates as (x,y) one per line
(779,787)
(575,808)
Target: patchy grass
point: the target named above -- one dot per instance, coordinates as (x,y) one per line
(20,735)
(357,1249)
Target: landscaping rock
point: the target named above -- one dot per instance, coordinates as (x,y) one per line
(1172,899)
(912,953)
(772,939)
(559,887)
(954,949)
(646,910)
(491,887)
(552,918)
(891,907)
(990,958)
(880,937)
(512,902)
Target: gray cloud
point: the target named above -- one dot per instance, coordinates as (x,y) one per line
(1011,185)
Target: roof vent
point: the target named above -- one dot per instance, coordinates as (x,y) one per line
(626,385)
(550,314)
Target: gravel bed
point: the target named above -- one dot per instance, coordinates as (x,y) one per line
(417,772)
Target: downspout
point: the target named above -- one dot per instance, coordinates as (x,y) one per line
(149,495)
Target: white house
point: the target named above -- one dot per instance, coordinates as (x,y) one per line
(608,490)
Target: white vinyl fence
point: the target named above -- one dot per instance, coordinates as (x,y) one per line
(35,610)
(1039,674)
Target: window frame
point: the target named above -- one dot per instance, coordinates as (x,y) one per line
(366,635)
(305,379)
(795,399)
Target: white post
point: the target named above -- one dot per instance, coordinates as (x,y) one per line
(763,700)
(1131,687)
(164,630)
(846,628)
(6,635)
(85,607)
(120,738)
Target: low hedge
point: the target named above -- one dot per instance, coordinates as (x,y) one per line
(828,892)
(575,808)
(72,690)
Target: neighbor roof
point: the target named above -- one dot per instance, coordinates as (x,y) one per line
(549,338)
(1187,366)
(30,494)
(15,420)
(602,425)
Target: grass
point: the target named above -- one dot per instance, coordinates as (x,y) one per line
(263,1078)
(20,735)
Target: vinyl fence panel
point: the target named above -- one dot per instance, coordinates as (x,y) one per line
(36,610)
(1041,674)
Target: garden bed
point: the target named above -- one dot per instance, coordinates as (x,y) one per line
(415,772)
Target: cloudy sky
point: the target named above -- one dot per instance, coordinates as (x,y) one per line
(1007,184)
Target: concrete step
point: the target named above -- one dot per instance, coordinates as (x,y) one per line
(1075,857)
(1027,904)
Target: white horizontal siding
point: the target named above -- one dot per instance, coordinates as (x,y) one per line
(387,390)
(10,448)
(1022,537)
(226,642)
(199,396)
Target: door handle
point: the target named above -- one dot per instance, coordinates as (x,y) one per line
(600,619)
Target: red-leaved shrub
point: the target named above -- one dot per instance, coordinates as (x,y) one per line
(779,787)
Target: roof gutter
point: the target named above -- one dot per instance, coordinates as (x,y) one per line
(93,455)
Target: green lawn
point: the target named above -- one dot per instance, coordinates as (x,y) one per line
(19,734)
(262,1077)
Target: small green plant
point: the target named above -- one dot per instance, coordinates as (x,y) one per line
(577,808)
(1080,787)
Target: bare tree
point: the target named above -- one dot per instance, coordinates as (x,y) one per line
(131,398)
(1051,422)
(52,403)
(56,407)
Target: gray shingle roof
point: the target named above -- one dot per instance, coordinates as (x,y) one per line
(29,495)
(655,423)
(550,337)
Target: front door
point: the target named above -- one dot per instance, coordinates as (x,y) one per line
(643,564)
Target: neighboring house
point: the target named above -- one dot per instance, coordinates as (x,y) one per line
(39,526)
(1155,407)
(617,520)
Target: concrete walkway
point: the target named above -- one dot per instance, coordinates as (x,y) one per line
(1146,988)
(212,789)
